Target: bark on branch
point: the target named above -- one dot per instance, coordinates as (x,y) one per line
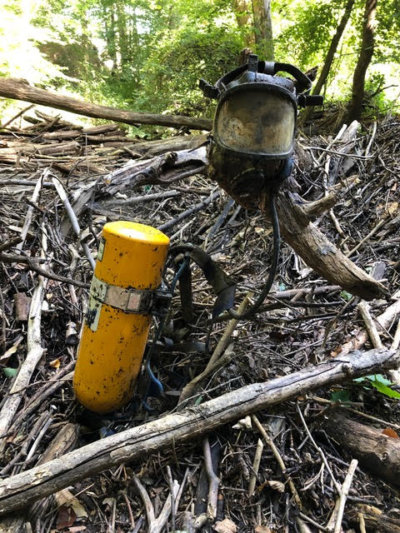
(18,90)
(23,489)
(322,255)
(377,452)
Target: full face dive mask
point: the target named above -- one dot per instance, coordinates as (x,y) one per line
(252,143)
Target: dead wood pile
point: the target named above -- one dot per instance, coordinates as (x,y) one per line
(279,470)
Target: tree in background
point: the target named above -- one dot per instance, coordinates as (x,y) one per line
(148,55)
(364,60)
(263,29)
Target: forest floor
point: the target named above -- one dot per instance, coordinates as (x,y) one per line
(307,321)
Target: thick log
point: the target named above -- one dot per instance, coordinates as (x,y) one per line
(18,90)
(23,489)
(376,452)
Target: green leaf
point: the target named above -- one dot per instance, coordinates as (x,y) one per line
(10,372)
(384,389)
(380,383)
(346,295)
(342,396)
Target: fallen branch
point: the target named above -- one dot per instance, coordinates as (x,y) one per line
(23,489)
(17,90)
(377,452)
(320,254)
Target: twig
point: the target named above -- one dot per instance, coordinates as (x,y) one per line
(24,448)
(171,488)
(189,212)
(395,374)
(279,460)
(74,221)
(42,433)
(256,467)
(331,196)
(335,521)
(156,525)
(354,156)
(374,128)
(29,212)
(9,244)
(384,423)
(213,481)
(396,338)
(362,523)
(226,337)
(144,198)
(303,528)
(313,522)
(381,223)
(2,126)
(129,507)
(321,453)
(364,308)
(216,361)
(8,258)
(383,320)
(3,341)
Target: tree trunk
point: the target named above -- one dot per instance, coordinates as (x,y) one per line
(330,55)
(364,59)
(242,10)
(263,29)
(11,88)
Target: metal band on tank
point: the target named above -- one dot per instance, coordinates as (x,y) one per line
(128,300)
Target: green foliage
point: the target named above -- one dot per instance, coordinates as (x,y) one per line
(148,55)
(346,296)
(172,71)
(380,383)
(10,372)
(341,396)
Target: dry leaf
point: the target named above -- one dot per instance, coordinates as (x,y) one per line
(55,363)
(277,485)
(65,517)
(65,498)
(262,529)
(390,433)
(6,355)
(244,423)
(392,208)
(225,526)
(109,502)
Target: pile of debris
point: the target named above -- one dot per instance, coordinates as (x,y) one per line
(289,468)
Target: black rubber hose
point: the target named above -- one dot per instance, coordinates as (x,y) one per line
(274,265)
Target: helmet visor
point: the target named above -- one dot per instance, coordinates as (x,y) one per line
(256,122)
